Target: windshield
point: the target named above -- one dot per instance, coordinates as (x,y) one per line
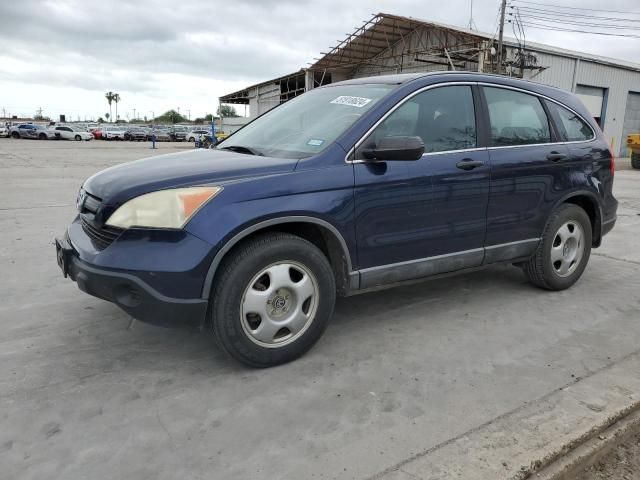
(306,125)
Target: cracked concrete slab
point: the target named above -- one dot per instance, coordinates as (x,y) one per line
(398,372)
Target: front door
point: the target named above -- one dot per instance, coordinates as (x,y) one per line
(418,218)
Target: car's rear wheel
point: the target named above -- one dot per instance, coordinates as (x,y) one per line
(78,138)
(564,250)
(272,300)
(42,136)
(15,135)
(635,160)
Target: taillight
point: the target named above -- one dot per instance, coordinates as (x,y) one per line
(612,165)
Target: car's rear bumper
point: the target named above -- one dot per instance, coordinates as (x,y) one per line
(129,292)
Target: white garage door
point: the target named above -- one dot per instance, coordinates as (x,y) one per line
(631,118)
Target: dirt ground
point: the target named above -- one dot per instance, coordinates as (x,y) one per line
(621,463)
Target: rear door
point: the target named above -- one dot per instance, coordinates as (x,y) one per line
(529,173)
(423,217)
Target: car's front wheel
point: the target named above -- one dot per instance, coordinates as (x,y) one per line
(78,138)
(272,300)
(564,250)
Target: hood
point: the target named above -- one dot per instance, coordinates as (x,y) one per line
(118,184)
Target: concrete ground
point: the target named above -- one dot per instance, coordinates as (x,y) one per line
(398,375)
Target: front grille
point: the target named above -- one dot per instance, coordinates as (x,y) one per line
(102,237)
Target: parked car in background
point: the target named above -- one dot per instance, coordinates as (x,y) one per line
(137,134)
(29,130)
(194,134)
(113,133)
(72,132)
(162,134)
(4,131)
(178,133)
(396,178)
(96,132)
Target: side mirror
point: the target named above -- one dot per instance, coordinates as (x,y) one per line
(396,148)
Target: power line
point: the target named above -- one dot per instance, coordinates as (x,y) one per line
(543,11)
(560,29)
(574,8)
(579,23)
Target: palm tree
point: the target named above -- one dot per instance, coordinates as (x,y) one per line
(116,98)
(109,96)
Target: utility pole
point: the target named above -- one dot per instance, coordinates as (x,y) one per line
(472,24)
(134,114)
(502,10)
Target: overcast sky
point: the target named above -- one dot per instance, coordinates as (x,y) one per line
(63,55)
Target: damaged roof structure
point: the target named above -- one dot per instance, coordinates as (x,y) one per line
(388,44)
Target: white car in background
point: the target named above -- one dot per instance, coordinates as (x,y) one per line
(113,133)
(193,134)
(4,131)
(67,132)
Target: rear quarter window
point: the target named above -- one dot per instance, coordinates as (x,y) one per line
(571,127)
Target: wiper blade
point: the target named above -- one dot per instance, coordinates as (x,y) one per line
(243,149)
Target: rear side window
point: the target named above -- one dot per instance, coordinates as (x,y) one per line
(571,127)
(516,118)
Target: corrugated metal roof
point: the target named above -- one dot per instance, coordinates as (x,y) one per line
(384,30)
(540,47)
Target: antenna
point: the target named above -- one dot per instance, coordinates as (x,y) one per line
(472,24)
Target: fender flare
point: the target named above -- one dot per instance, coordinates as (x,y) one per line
(597,227)
(229,244)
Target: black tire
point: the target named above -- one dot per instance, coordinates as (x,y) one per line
(540,269)
(15,135)
(42,136)
(235,275)
(78,138)
(635,160)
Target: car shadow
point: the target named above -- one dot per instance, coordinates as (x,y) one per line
(139,344)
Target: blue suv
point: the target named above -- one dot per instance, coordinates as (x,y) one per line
(347,188)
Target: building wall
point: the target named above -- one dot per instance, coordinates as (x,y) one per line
(263,98)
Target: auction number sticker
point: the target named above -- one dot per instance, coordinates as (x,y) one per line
(357,102)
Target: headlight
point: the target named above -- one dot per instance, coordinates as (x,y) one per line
(163,209)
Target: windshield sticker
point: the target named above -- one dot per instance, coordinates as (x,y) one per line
(315,142)
(357,102)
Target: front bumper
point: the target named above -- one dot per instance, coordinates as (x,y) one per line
(129,292)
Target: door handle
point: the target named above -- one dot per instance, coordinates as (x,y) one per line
(555,156)
(468,164)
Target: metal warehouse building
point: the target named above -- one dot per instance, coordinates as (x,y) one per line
(387,43)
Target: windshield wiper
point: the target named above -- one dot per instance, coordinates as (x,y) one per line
(243,149)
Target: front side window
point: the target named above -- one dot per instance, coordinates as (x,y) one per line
(571,127)
(306,125)
(444,117)
(516,118)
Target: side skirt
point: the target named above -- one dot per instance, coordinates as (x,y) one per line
(468,260)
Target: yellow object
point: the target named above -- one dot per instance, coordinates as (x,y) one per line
(633,142)
(221,136)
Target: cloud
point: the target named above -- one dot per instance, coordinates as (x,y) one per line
(141,48)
